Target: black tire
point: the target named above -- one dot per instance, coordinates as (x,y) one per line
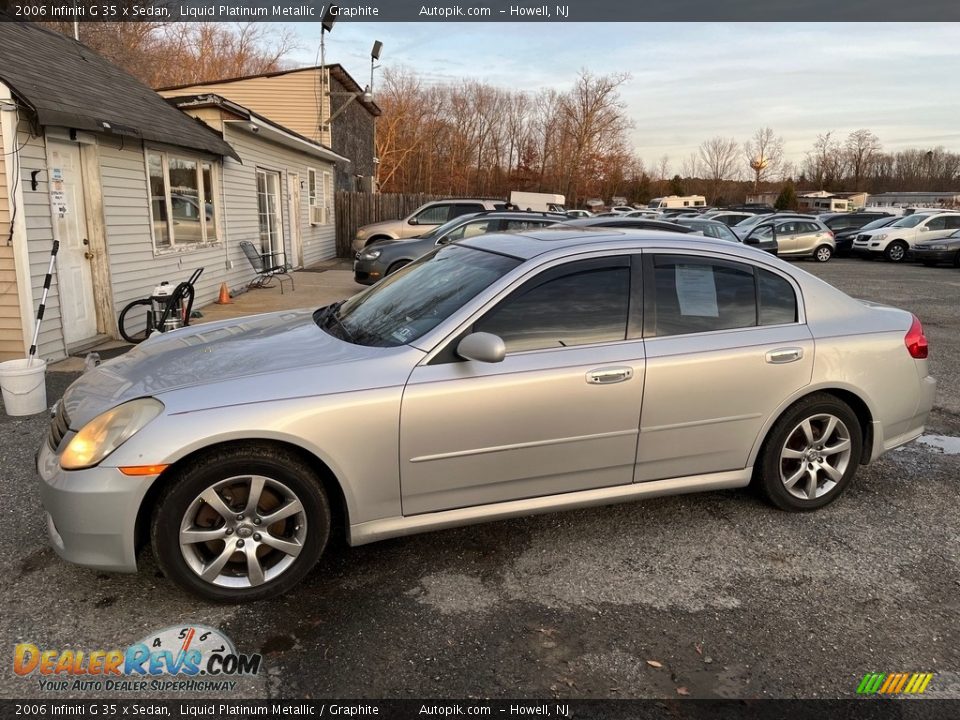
(896,251)
(396,266)
(288,478)
(956,259)
(144,326)
(823,253)
(773,471)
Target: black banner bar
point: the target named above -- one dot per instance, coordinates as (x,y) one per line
(484,11)
(858,709)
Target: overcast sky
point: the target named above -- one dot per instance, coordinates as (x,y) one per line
(691,81)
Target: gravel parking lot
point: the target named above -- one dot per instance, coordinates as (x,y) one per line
(728,596)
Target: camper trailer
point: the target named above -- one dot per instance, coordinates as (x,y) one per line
(539,202)
(677,201)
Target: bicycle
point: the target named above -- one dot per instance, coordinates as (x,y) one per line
(159,312)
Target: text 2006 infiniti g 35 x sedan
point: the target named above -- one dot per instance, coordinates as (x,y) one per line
(494,377)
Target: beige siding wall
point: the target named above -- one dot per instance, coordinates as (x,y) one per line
(293,100)
(11,332)
(240,184)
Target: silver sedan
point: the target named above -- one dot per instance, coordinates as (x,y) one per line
(494,377)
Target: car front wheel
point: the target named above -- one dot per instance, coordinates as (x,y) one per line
(241,524)
(811,454)
(896,251)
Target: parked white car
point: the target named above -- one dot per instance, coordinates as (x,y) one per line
(895,240)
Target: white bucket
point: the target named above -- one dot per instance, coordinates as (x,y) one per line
(24,385)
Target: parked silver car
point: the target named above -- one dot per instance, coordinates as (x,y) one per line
(493,377)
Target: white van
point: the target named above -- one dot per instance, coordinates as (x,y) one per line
(895,240)
(539,202)
(677,201)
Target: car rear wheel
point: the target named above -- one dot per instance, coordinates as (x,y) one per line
(396,266)
(811,454)
(823,253)
(896,251)
(241,524)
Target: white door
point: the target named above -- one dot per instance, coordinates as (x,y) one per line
(296,221)
(74,274)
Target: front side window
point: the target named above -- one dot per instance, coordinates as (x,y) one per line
(937,223)
(183,201)
(470,229)
(580,307)
(692,295)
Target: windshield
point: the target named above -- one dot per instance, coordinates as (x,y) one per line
(413,301)
(909,221)
(882,222)
(752,220)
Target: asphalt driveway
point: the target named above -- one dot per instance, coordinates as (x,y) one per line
(714,595)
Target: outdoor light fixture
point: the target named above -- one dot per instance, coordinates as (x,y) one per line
(377,47)
(328,18)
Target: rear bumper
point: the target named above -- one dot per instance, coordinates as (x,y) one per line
(911,428)
(91,515)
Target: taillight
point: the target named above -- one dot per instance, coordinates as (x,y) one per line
(915,340)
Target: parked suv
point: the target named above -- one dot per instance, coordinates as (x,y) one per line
(895,240)
(383,257)
(423,218)
(795,237)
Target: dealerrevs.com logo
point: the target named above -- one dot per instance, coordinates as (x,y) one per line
(178,659)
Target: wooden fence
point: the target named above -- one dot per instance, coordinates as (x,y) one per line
(356,209)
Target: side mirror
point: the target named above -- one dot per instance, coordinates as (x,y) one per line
(924,228)
(482,347)
(413,221)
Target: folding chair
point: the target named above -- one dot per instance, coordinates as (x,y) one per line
(266,269)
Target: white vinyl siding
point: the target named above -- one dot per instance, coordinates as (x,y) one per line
(11,332)
(240,199)
(134,267)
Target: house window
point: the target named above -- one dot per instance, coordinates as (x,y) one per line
(313,191)
(270,219)
(184,208)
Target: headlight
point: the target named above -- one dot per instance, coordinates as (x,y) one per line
(106,432)
(369,254)
(878,238)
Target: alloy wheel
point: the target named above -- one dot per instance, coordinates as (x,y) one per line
(243,531)
(896,252)
(815,456)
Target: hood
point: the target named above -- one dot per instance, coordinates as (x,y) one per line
(382,226)
(202,354)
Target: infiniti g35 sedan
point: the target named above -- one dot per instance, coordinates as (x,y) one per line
(493,377)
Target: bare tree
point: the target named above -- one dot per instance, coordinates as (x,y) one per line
(764,154)
(825,162)
(718,159)
(861,148)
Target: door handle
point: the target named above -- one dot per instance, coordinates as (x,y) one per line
(608,376)
(784,355)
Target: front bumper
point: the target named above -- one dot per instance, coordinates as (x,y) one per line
(866,249)
(91,514)
(366,272)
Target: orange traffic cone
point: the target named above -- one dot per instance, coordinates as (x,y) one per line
(224,298)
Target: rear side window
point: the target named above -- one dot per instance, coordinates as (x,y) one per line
(464,208)
(576,308)
(777,301)
(692,295)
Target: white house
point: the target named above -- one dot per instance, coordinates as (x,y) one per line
(135,191)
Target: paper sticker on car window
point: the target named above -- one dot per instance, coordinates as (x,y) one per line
(696,290)
(402,334)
